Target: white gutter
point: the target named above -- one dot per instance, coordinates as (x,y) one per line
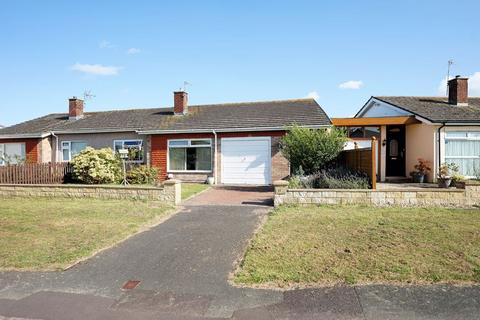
(24,135)
(93,131)
(159,131)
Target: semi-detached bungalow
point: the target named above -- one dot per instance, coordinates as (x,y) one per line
(437,129)
(236,143)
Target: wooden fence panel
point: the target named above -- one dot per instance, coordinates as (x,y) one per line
(362,160)
(35,173)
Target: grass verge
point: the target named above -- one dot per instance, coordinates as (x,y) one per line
(328,245)
(191,189)
(51,234)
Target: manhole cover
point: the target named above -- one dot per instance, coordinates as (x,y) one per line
(130,284)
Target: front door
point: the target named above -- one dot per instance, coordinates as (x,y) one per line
(395,164)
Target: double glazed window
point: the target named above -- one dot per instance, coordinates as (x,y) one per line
(363,132)
(12,153)
(190,155)
(463,149)
(134,147)
(71,148)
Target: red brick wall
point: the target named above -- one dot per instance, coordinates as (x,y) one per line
(280,166)
(32,148)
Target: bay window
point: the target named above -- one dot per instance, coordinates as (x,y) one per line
(12,153)
(190,155)
(134,147)
(71,148)
(463,149)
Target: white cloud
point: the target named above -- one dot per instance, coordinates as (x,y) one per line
(473,85)
(104,44)
(313,95)
(351,84)
(96,69)
(133,51)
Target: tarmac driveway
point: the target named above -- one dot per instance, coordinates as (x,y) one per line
(183,266)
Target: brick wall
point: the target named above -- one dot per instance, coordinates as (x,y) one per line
(32,148)
(280,165)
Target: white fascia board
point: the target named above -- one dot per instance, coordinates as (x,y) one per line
(227,130)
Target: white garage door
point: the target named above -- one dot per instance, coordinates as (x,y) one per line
(246,160)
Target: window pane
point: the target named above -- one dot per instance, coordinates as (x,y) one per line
(77,147)
(14,153)
(177,158)
(65,154)
(191,159)
(132,143)
(200,142)
(2,160)
(118,145)
(355,132)
(467,167)
(204,158)
(456,134)
(178,143)
(461,148)
(372,132)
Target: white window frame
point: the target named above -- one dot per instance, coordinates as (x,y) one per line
(468,137)
(2,151)
(189,145)
(123,146)
(69,143)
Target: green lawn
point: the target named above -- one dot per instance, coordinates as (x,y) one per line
(190,189)
(328,245)
(48,234)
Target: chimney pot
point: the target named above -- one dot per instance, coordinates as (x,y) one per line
(75,108)
(180,102)
(458,91)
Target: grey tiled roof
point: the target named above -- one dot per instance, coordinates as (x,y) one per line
(218,116)
(437,109)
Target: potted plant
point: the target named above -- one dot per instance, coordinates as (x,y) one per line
(445,174)
(421,170)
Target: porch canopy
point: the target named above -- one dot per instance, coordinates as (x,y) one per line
(381,121)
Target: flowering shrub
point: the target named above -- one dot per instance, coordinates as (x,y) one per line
(142,175)
(93,166)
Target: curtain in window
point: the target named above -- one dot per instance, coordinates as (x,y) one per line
(14,153)
(177,158)
(76,148)
(204,159)
(464,153)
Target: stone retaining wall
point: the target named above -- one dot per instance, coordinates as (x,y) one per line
(431,197)
(169,192)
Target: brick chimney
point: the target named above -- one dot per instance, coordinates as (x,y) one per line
(458,91)
(180,102)
(75,108)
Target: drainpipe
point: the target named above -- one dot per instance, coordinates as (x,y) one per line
(215,158)
(56,146)
(440,146)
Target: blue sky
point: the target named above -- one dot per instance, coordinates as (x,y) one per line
(135,53)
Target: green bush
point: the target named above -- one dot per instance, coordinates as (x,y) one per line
(312,149)
(93,166)
(142,175)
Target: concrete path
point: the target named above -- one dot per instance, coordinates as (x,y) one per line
(183,266)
